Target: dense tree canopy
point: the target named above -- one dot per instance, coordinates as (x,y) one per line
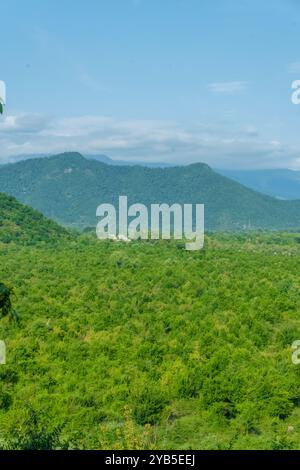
(150,346)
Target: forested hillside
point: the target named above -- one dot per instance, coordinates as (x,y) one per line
(25,225)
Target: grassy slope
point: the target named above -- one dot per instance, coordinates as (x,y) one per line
(68,188)
(114,337)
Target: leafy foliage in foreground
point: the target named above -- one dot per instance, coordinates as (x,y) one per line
(149,346)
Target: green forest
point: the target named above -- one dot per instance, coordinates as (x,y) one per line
(146,345)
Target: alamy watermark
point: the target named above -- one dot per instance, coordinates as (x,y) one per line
(2,352)
(296,352)
(176,221)
(296,93)
(2,95)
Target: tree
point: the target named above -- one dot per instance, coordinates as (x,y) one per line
(5,302)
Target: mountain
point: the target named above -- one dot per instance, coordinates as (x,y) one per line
(69,187)
(111,161)
(279,183)
(99,158)
(25,225)
(25,156)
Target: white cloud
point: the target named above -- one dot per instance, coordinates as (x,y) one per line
(23,123)
(217,144)
(227,87)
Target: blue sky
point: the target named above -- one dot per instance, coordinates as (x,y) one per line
(173,80)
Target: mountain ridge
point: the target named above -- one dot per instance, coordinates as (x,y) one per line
(68,188)
(280,183)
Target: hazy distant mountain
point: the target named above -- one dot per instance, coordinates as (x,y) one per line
(99,158)
(27,156)
(69,187)
(111,161)
(280,183)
